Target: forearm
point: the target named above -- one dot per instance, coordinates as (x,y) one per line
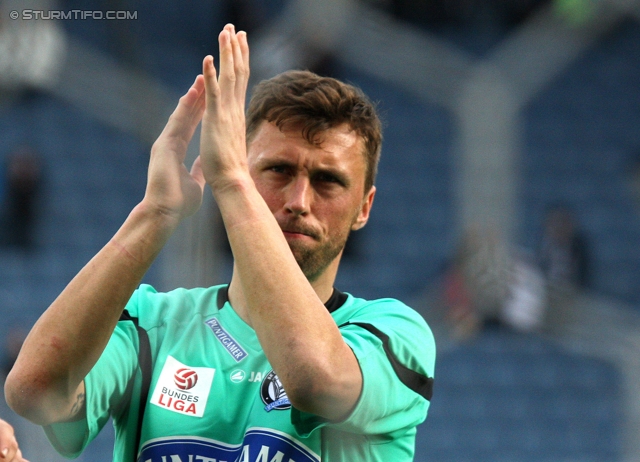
(297,333)
(71,334)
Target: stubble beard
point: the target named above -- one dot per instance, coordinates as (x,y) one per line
(314,261)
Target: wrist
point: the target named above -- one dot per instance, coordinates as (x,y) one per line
(151,214)
(144,232)
(239,183)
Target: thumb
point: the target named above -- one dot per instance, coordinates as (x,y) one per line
(197,173)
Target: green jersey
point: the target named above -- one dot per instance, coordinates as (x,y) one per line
(213,397)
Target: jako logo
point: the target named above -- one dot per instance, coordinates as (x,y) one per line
(185,378)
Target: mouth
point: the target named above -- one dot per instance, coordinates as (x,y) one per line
(297,232)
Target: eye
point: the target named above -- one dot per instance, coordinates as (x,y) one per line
(282,169)
(324,177)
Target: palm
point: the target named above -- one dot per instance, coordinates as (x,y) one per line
(171,188)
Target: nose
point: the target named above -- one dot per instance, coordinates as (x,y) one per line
(299,196)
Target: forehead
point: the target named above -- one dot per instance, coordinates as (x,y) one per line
(339,146)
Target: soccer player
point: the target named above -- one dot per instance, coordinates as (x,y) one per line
(9,450)
(276,366)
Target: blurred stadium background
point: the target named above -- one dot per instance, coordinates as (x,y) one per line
(494,111)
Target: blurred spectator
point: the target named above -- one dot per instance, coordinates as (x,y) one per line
(524,308)
(564,253)
(565,261)
(477,283)
(23,176)
(458,299)
(490,284)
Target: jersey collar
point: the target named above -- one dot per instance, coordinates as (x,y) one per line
(336,300)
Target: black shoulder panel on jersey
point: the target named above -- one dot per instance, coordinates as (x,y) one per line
(223,296)
(144,360)
(417,382)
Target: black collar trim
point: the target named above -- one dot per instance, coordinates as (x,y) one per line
(223,296)
(336,300)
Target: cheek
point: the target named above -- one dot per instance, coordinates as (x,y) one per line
(273,200)
(270,195)
(339,219)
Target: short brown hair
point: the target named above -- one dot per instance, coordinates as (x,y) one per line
(303,99)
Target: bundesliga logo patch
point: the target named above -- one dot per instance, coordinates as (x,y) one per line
(183,389)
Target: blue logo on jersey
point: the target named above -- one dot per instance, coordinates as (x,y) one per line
(260,444)
(235,350)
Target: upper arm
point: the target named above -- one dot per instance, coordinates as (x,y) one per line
(397,374)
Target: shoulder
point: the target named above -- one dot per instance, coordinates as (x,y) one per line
(149,305)
(387,312)
(392,322)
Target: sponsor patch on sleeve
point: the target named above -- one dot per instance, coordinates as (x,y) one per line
(228,342)
(183,389)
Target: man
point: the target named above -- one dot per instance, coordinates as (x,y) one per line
(275,367)
(9,450)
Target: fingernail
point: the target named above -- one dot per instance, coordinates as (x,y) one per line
(4,452)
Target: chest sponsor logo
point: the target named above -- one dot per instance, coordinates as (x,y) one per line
(183,389)
(273,394)
(259,445)
(235,350)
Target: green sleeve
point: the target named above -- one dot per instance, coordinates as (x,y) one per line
(386,405)
(107,388)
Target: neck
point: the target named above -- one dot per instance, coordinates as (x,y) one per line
(323,286)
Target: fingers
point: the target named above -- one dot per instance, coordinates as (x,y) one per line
(234,62)
(11,453)
(8,443)
(210,78)
(185,118)
(242,57)
(227,74)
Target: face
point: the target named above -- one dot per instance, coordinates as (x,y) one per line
(316,193)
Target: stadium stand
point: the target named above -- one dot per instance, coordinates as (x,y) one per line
(509,396)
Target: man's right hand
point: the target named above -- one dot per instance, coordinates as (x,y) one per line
(171,188)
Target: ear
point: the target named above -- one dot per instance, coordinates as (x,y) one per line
(365,210)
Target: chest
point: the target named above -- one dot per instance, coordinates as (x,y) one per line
(214,396)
